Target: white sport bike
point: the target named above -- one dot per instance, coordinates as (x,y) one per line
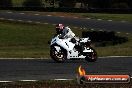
(64,49)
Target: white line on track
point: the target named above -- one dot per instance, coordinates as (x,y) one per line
(23,58)
(37,22)
(100,30)
(46,23)
(53,24)
(9,12)
(28,80)
(5,81)
(109,20)
(99,19)
(2,18)
(30,21)
(10,19)
(49,15)
(49,58)
(22,13)
(37,80)
(123,21)
(115,56)
(75,17)
(36,14)
(88,18)
(118,32)
(20,20)
(62,79)
(62,16)
(92,29)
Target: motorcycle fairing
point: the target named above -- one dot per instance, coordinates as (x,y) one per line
(74,54)
(57,48)
(64,43)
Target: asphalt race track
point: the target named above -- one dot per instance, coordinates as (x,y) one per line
(40,69)
(84,23)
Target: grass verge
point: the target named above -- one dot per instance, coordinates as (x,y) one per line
(124,49)
(23,40)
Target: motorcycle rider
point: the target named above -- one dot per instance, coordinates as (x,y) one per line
(65,32)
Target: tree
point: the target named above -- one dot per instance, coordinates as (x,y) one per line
(108,3)
(33,3)
(120,4)
(5,3)
(67,3)
(130,3)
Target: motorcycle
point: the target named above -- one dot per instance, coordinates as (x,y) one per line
(66,49)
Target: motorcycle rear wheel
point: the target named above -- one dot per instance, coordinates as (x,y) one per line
(91,57)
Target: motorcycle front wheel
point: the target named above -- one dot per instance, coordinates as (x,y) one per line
(57,56)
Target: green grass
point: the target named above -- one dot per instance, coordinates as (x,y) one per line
(116,17)
(17,2)
(124,49)
(25,40)
(30,40)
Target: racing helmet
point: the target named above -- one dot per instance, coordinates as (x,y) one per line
(59,28)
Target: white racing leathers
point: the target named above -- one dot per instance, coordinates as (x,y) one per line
(67,33)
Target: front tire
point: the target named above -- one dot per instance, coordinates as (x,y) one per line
(57,56)
(91,57)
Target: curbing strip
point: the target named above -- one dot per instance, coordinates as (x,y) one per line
(28,80)
(118,32)
(99,19)
(62,16)
(50,58)
(2,18)
(5,81)
(9,12)
(21,13)
(49,15)
(115,56)
(62,79)
(39,80)
(23,58)
(36,14)
(110,20)
(34,80)
(10,19)
(88,18)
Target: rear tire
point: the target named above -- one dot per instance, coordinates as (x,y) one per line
(58,57)
(91,57)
